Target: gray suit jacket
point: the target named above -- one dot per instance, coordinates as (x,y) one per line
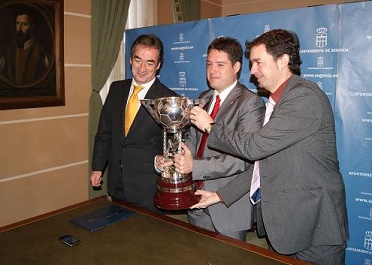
(303,194)
(242,110)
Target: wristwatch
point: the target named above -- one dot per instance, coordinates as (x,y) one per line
(208,128)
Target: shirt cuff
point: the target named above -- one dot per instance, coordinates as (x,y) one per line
(156,168)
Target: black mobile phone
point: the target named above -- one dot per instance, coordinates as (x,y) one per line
(69,240)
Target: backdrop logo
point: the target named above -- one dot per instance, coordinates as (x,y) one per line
(180,37)
(266,28)
(368,240)
(367,262)
(182,79)
(320,62)
(321,37)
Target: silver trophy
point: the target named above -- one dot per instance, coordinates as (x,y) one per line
(175,190)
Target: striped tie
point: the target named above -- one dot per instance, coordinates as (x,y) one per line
(255,192)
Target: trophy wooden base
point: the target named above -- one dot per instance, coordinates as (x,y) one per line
(175,196)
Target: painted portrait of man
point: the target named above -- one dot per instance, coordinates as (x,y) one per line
(26,55)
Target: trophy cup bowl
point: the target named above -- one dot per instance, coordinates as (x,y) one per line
(175,190)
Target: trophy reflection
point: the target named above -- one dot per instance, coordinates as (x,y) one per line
(175,190)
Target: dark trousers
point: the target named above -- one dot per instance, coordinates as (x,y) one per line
(119,195)
(257,219)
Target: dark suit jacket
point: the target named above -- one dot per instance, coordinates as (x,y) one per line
(242,110)
(130,158)
(303,194)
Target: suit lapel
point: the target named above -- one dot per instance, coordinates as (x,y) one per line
(123,98)
(208,97)
(226,105)
(224,108)
(292,82)
(154,92)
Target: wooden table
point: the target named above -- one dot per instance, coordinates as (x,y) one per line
(145,238)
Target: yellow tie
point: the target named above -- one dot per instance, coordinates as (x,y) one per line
(132,108)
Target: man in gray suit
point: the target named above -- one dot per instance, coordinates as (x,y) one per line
(302,206)
(239,109)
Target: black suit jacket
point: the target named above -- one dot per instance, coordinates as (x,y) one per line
(130,158)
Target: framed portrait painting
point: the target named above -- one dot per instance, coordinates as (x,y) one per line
(31,54)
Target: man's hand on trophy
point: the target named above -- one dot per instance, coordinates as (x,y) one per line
(160,164)
(207,198)
(183,160)
(200,118)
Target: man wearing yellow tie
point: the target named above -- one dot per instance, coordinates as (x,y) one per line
(128,137)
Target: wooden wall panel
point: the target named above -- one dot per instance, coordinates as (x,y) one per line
(30,196)
(79,7)
(34,146)
(78,94)
(77,42)
(220,8)
(210,10)
(255,6)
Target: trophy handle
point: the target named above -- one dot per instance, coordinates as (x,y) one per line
(197,102)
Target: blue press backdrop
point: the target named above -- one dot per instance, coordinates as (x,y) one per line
(336,49)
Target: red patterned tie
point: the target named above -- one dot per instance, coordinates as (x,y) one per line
(203,140)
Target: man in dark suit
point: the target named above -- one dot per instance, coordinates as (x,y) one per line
(239,109)
(129,148)
(302,205)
